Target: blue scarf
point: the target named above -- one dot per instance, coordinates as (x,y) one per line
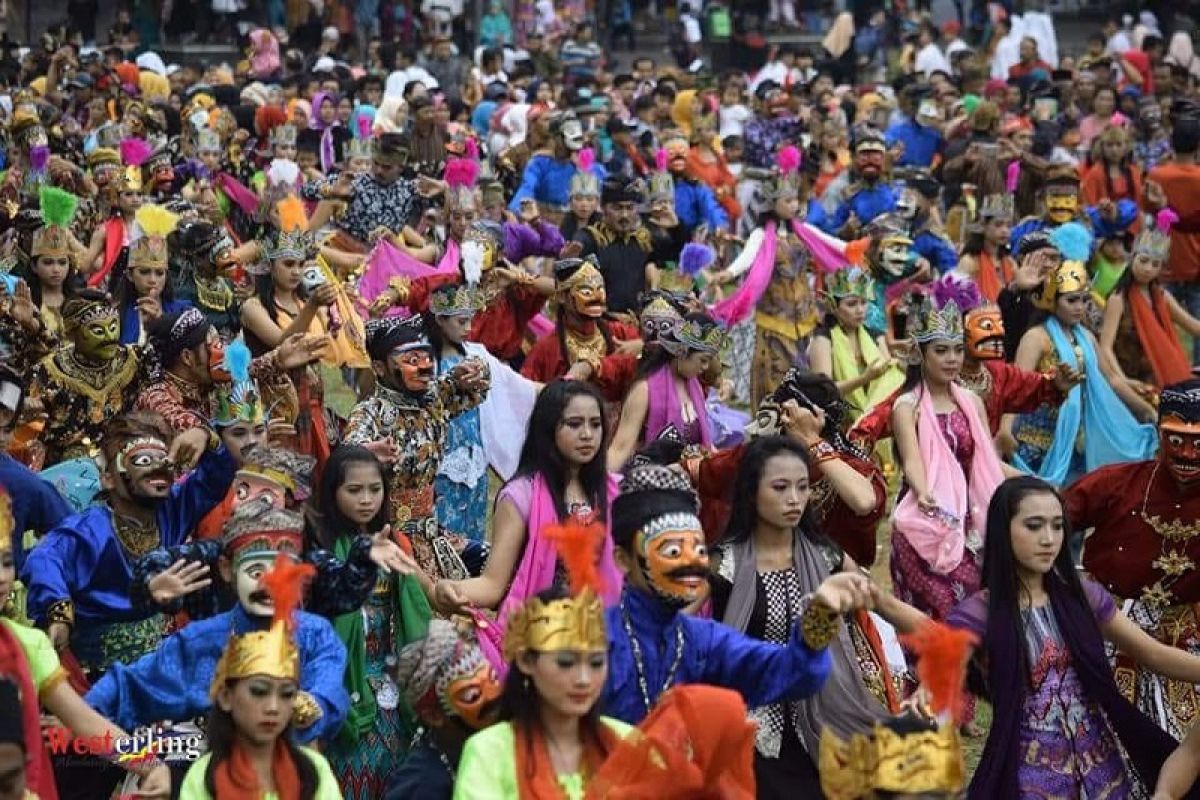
(1111,433)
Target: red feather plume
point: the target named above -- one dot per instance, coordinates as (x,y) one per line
(942,654)
(579,546)
(285,584)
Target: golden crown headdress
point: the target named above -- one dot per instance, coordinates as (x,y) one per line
(1071,277)
(891,761)
(359,148)
(271,653)
(284,134)
(693,334)
(574,623)
(998,206)
(1153,243)
(659,307)
(849,282)
(456,300)
(155,224)
(933,324)
(293,239)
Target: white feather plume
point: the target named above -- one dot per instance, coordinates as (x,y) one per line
(473,254)
(283,171)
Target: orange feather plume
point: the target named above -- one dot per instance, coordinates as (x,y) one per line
(942,654)
(285,584)
(291,214)
(578,547)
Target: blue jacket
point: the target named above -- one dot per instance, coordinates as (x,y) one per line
(763,673)
(548,181)
(867,203)
(36,504)
(937,250)
(1127,212)
(82,561)
(173,682)
(695,204)
(131,324)
(921,144)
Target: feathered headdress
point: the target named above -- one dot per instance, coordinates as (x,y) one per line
(942,653)
(1073,240)
(58,210)
(460,175)
(154,223)
(239,400)
(957,289)
(584,182)
(696,256)
(786,180)
(293,239)
(662,184)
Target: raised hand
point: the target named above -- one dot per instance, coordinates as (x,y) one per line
(179,579)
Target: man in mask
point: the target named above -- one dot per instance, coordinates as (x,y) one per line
(547,176)
(79,574)
(173,681)
(194,364)
(621,243)
(653,645)
(404,422)
(695,203)
(200,254)
(1060,197)
(585,346)
(90,380)
(1142,547)
(868,196)
(1153,144)
(454,691)
(919,193)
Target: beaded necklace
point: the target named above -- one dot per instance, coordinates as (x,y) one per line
(639,665)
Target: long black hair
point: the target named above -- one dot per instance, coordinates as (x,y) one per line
(743,515)
(540,454)
(521,704)
(324,521)
(437,339)
(222,735)
(1000,576)
(72,283)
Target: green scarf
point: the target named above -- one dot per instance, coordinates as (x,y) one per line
(1105,278)
(410,620)
(845,367)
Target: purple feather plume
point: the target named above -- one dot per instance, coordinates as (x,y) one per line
(39,157)
(695,257)
(963,291)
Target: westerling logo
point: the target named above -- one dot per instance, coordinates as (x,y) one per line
(173,745)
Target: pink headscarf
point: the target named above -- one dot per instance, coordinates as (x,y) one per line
(264,61)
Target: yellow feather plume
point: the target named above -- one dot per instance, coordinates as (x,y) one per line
(155,220)
(291,215)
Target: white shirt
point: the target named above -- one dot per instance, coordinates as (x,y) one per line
(931,59)
(733,120)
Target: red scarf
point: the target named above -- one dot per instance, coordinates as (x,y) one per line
(536,778)
(989,280)
(114,241)
(1156,333)
(235,778)
(14,665)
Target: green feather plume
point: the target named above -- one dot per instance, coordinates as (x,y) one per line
(58,206)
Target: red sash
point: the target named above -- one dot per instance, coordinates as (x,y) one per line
(114,241)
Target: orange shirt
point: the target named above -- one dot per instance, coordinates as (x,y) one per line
(1179,182)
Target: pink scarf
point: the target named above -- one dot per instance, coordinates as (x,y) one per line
(245,199)
(386,261)
(940,540)
(665,408)
(825,252)
(535,572)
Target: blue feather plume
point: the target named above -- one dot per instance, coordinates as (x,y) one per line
(1073,240)
(695,257)
(237,361)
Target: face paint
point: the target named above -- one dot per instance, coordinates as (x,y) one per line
(99,339)
(1180,443)
(677,153)
(907,205)
(414,368)
(869,161)
(1062,206)
(143,466)
(472,696)
(674,559)
(985,334)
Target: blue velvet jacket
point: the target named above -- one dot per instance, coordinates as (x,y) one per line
(713,653)
(695,205)
(867,203)
(172,683)
(1127,212)
(548,180)
(81,559)
(36,504)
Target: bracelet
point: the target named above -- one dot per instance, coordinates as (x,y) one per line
(61,611)
(305,710)
(818,625)
(821,451)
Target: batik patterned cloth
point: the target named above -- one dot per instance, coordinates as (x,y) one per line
(461,485)
(785,317)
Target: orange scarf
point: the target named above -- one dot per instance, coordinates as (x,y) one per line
(1157,336)
(536,778)
(235,778)
(988,279)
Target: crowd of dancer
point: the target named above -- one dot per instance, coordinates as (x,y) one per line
(564,434)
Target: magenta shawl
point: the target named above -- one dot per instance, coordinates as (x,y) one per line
(665,409)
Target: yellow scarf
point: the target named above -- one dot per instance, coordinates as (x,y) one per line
(845,367)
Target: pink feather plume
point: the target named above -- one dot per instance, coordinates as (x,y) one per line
(788,159)
(1012,176)
(364,126)
(471,149)
(587,159)
(461,172)
(1164,220)
(660,160)
(134,152)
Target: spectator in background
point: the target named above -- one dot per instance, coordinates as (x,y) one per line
(581,56)
(1178,181)
(620,24)
(1117,35)
(930,58)
(544,61)
(1030,61)
(495,28)
(448,69)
